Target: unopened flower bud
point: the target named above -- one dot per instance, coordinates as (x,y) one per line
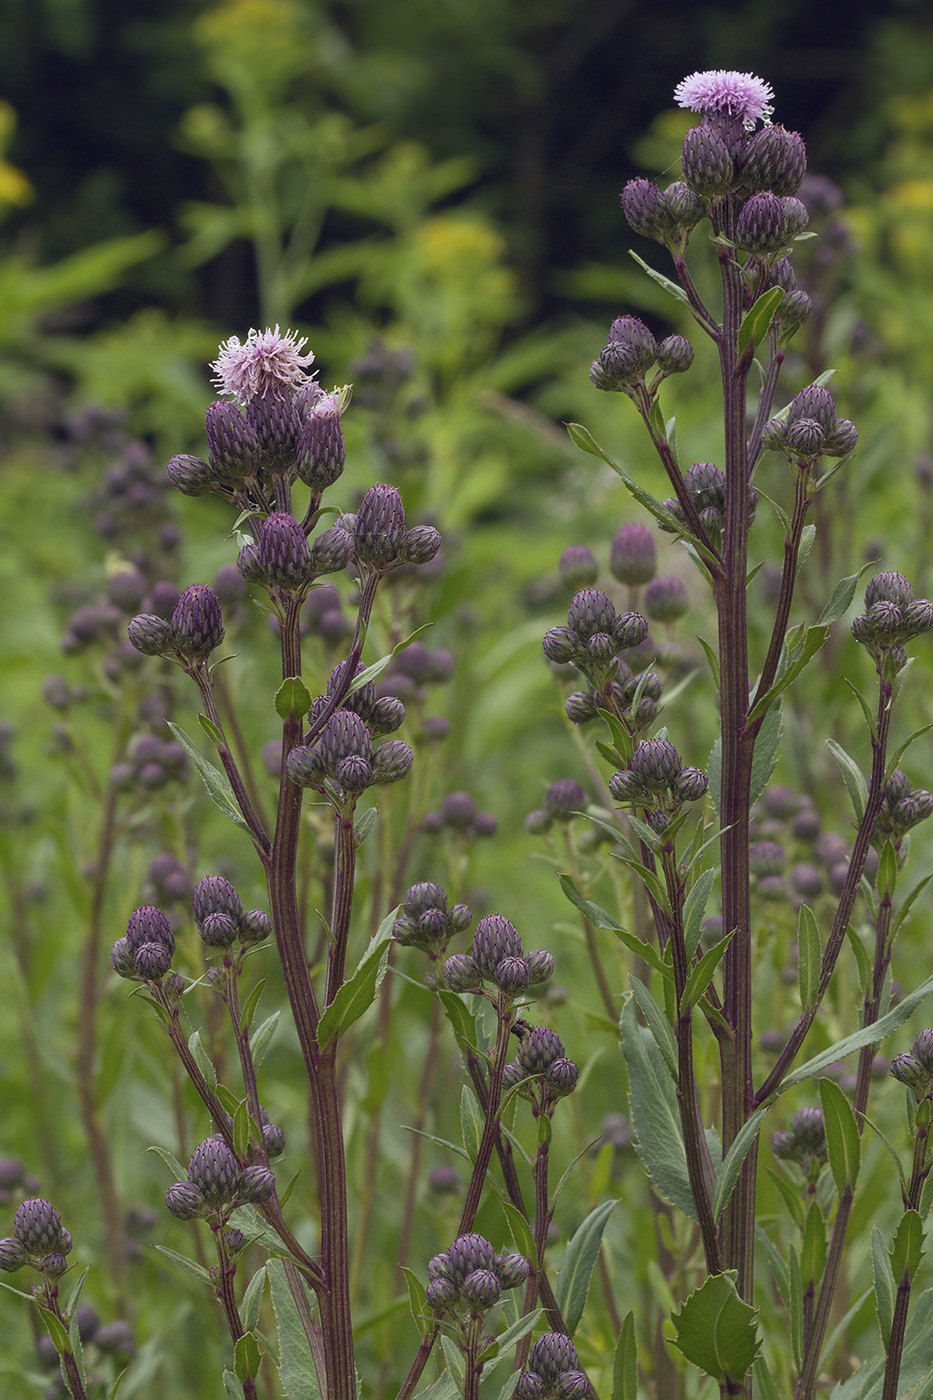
(54,1264)
(38,1227)
(467,1253)
(633,558)
(392,761)
(481,1288)
(273,1139)
(578,567)
(797,217)
(215,895)
(442,1294)
(380,526)
(511,1270)
(184,1200)
(675,355)
(918,618)
(794,310)
(420,544)
(320,449)
(775,160)
(197,623)
(123,959)
(690,785)
(255,926)
(461,973)
(219,931)
(565,799)
(234,448)
(889,588)
(147,924)
(804,438)
(330,552)
(152,961)
(842,440)
(213,1169)
(762,224)
(191,476)
(645,209)
(494,939)
(540,964)
(580,707)
(685,207)
(257,1183)
(512,975)
(305,766)
(283,553)
(707,164)
(13,1255)
(539,1048)
(150,635)
(665,599)
(656,763)
(553,1354)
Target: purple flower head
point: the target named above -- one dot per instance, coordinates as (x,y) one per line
(266,360)
(197,623)
(565,798)
(216,895)
(552,1355)
(38,1227)
(494,940)
(321,450)
(632,558)
(721,92)
(149,925)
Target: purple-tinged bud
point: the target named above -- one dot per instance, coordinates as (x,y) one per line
(38,1227)
(634,347)
(151,635)
(344,734)
(283,553)
(275,419)
(633,558)
(152,961)
(115,1338)
(442,1294)
(552,1355)
(191,476)
(257,1183)
(54,1264)
(918,618)
(273,1139)
(684,206)
(797,216)
(123,959)
(814,402)
(512,976)
(420,544)
(215,895)
(572,1385)
(707,164)
(794,310)
(656,764)
(147,924)
(461,973)
(780,802)
(889,588)
(321,452)
(806,879)
(197,623)
(539,1048)
(630,630)
(561,644)
(626,786)
(675,355)
(354,773)
(923,1049)
(804,438)
(885,619)
(247,561)
(540,964)
(842,440)
(467,1253)
(255,926)
(13,1255)
(163,599)
(565,799)
(775,160)
(665,599)
(578,567)
(392,761)
(330,552)
(233,446)
(766,858)
(761,228)
(439,1267)
(458,810)
(380,527)
(386,715)
(530,1386)
(511,1270)
(305,766)
(494,939)
(645,209)
(481,1288)
(706,484)
(87,1321)
(485,825)
(807,1127)
(184,1200)
(513,1075)
(219,930)
(214,1171)
(690,785)
(580,707)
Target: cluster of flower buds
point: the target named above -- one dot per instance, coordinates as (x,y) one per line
(553,1371)
(381,538)
(168,879)
(146,950)
(892,617)
(631,352)
(657,780)
(323,615)
(563,801)
(471,1274)
(545,1073)
(706,487)
(796,306)
(343,759)
(768,222)
(665,599)
(108,1338)
(459,814)
(150,764)
(282,558)
(810,429)
(915,1066)
(669,215)
(498,957)
(425,922)
(195,630)
(902,808)
(805,1142)
(217,1183)
(382,714)
(38,1239)
(766,860)
(583,705)
(221,918)
(593,636)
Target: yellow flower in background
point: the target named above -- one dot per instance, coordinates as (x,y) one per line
(14,187)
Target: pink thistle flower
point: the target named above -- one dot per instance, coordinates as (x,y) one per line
(267,360)
(740,95)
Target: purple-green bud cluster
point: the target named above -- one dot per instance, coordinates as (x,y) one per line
(344,757)
(498,957)
(564,800)
(460,815)
(410,673)
(471,1274)
(216,1183)
(150,765)
(902,808)
(545,1073)
(145,951)
(553,1371)
(381,538)
(892,617)
(631,351)
(38,1239)
(583,705)
(283,559)
(221,918)
(804,1142)
(915,1066)
(706,486)
(666,215)
(195,630)
(657,780)
(593,636)
(810,429)
(424,920)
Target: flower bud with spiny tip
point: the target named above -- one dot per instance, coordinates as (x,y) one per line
(494,940)
(256,1184)
(761,228)
(197,623)
(707,163)
(185,1200)
(13,1255)
(775,160)
(38,1227)
(151,635)
(214,1171)
(645,209)
(320,449)
(675,355)
(461,974)
(379,527)
(191,476)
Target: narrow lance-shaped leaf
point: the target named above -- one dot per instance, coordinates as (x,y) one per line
(658,1025)
(842,1136)
(852,776)
(757,321)
(654,1113)
(625,1363)
(355,996)
(296,1368)
(885,1287)
(217,783)
(809,956)
(907,1249)
(573,1281)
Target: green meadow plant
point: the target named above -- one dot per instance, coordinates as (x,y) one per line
(755,989)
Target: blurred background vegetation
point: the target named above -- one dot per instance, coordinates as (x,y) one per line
(427,189)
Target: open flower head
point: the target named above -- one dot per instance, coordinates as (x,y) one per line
(267,360)
(738,95)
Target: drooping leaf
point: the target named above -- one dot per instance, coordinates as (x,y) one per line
(184,1264)
(417,1301)
(356,995)
(582,438)
(625,1363)
(217,783)
(573,1281)
(852,776)
(654,1113)
(662,281)
(373,672)
(717,1331)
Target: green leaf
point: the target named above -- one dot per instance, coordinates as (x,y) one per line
(908,903)
(179,1172)
(885,1287)
(856,785)
(249,1006)
(886,881)
(582,438)
(757,322)
(714,774)
(841,598)
(356,995)
(184,1265)
(75,1294)
(732,1166)
(895,760)
(813,1248)
(713,660)
(842,1135)
(764,1381)
(417,1301)
(702,974)
(658,1025)
(296,1368)
(441,1142)
(798,657)
(261,1038)
(717,1331)
(366,824)
(56,1330)
(233,1386)
(202,1059)
(471,1122)
(213,732)
(292,699)
(573,1281)
(247,1357)
(661,280)
(795,1283)
(601,919)
(764,759)
(217,783)
(460,1017)
(907,1249)
(241,1124)
(695,909)
(916,1360)
(521,1231)
(809,956)
(625,1363)
(780,1270)
(645,834)
(374,671)
(654,1113)
(252,1299)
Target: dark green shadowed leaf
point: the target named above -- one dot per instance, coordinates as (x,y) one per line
(809,956)
(756,322)
(885,1286)
(842,1136)
(573,1281)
